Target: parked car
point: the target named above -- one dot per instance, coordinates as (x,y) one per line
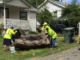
(58,27)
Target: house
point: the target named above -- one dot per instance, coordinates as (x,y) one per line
(55,7)
(17,13)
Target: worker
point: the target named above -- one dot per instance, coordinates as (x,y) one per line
(45,25)
(7,37)
(52,34)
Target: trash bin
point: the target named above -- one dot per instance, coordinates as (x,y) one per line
(18,34)
(68,34)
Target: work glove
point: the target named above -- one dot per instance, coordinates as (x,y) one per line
(46,33)
(15,30)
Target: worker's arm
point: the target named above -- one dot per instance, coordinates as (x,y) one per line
(14,32)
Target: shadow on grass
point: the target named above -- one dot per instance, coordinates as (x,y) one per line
(23,48)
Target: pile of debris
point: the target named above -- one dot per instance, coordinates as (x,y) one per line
(38,40)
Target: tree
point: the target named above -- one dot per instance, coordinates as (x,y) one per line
(74,2)
(72,13)
(35,3)
(44,16)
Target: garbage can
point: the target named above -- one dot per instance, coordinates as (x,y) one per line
(18,34)
(68,34)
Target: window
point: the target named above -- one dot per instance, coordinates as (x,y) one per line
(55,14)
(2,12)
(23,15)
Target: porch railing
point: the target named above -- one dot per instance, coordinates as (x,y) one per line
(1,23)
(23,24)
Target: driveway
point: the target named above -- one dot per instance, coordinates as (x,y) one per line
(71,54)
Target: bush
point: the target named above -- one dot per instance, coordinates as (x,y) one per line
(53,22)
(44,16)
(72,13)
(73,21)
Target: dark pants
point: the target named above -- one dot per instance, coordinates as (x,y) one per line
(53,42)
(7,42)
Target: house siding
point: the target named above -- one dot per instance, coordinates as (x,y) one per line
(32,21)
(52,7)
(1,1)
(14,12)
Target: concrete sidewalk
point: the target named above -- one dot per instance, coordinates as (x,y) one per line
(71,54)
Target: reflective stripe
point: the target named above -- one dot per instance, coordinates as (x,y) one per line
(8,33)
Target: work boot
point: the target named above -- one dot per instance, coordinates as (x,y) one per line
(56,45)
(51,48)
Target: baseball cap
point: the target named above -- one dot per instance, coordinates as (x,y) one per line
(11,27)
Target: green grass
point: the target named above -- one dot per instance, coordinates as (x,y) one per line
(22,55)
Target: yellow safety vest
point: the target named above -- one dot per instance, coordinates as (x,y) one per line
(44,28)
(52,33)
(8,33)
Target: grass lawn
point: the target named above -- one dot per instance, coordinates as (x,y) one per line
(22,55)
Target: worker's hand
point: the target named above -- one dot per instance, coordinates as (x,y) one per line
(16,31)
(46,33)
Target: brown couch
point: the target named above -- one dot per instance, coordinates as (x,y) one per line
(32,41)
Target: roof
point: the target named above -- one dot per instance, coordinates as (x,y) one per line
(6,1)
(55,2)
(58,3)
(31,9)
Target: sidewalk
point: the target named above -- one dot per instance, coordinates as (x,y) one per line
(71,54)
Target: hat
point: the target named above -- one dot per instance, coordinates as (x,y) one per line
(11,27)
(45,23)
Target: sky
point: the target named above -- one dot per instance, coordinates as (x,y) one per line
(69,1)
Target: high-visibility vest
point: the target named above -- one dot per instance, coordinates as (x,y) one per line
(44,28)
(8,33)
(52,33)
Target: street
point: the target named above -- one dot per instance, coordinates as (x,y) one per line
(71,54)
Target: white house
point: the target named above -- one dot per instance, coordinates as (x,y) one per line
(17,13)
(55,7)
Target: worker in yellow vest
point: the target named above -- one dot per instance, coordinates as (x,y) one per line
(52,35)
(45,25)
(7,37)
